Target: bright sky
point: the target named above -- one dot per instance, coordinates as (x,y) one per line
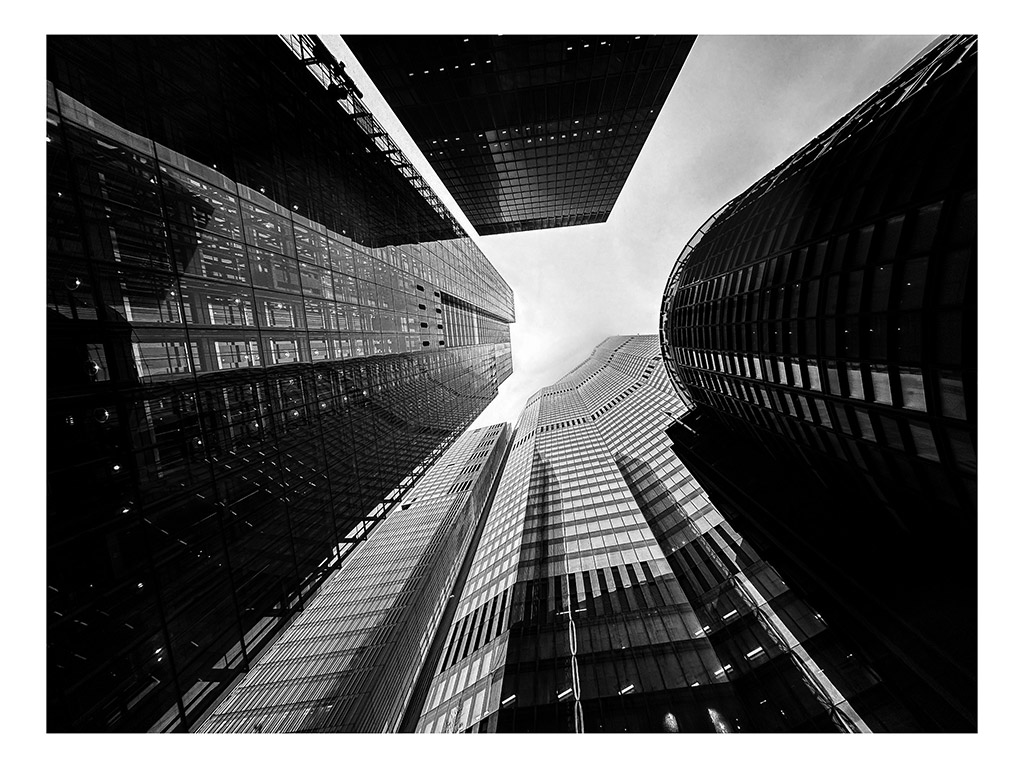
(740,106)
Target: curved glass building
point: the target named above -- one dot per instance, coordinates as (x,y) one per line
(824,325)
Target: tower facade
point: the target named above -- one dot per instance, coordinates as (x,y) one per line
(527,131)
(834,303)
(262,328)
(824,324)
(608,594)
(352,658)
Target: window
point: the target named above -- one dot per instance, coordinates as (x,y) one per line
(926,226)
(822,412)
(279,314)
(881,279)
(963,450)
(912,389)
(909,333)
(955,268)
(880,384)
(283,351)
(951,389)
(831,294)
(854,285)
(813,376)
(832,372)
(237,354)
(162,358)
(855,382)
(780,368)
(144,304)
(224,310)
(811,300)
(924,442)
(864,422)
(891,432)
(842,419)
(860,254)
(794,368)
(911,290)
(318,349)
(890,238)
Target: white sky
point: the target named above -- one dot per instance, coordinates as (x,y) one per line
(740,106)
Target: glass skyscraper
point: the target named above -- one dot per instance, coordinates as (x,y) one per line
(824,324)
(833,303)
(351,659)
(527,131)
(262,328)
(608,594)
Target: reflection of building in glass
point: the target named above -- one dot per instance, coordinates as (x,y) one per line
(608,594)
(824,325)
(262,327)
(351,659)
(527,131)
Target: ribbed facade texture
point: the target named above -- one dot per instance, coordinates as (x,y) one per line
(834,303)
(262,327)
(824,323)
(608,594)
(527,131)
(350,660)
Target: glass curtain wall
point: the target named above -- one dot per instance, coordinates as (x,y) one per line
(246,355)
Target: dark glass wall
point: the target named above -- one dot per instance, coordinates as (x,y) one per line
(824,323)
(246,358)
(527,131)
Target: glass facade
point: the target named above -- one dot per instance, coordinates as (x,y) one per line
(350,660)
(248,351)
(608,593)
(834,303)
(824,322)
(527,131)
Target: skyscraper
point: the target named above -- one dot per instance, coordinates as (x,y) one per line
(824,324)
(351,659)
(608,594)
(262,327)
(527,131)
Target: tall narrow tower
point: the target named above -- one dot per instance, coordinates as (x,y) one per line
(608,594)
(352,658)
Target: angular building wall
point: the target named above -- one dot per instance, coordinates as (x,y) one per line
(527,131)
(262,326)
(824,323)
(350,660)
(608,594)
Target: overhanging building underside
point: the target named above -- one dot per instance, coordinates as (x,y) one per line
(527,131)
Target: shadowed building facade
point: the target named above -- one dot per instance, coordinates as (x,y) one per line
(608,594)
(527,131)
(351,659)
(824,324)
(262,327)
